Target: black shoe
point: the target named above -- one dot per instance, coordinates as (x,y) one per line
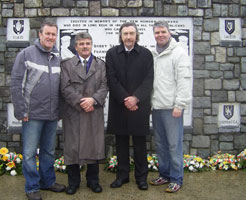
(71,189)
(56,188)
(119,182)
(95,187)
(142,185)
(34,196)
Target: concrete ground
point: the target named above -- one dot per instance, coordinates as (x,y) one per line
(212,185)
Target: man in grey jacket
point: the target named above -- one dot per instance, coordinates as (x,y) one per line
(35,94)
(171,95)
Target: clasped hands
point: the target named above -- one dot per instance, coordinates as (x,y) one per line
(131,103)
(87,104)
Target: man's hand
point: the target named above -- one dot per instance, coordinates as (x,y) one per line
(177,112)
(131,103)
(87,104)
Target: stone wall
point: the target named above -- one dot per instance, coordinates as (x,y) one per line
(219,71)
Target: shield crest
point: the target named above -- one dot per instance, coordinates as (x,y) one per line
(228,111)
(229,26)
(18,26)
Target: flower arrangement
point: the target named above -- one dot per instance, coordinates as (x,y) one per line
(192,163)
(10,163)
(223,161)
(152,162)
(241,159)
(59,165)
(112,164)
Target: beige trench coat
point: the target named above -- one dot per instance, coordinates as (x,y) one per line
(83,132)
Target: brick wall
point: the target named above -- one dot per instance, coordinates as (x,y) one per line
(219,72)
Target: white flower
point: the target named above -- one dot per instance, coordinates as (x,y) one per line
(13,173)
(201,165)
(197,165)
(192,162)
(8,168)
(155,168)
(64,167)
(191,168)
(18,160)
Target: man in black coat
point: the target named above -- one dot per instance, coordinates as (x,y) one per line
(129,69)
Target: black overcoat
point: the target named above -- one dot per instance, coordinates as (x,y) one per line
(129,75)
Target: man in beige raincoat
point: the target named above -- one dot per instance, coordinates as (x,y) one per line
(84,89)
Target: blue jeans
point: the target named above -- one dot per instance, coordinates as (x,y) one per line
(42,133)
(169,144)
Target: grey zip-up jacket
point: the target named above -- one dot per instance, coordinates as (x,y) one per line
(35,81)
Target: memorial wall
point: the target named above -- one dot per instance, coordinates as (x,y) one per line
(212,32)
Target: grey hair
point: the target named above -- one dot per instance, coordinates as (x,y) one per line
(82,35)
(127,24)
(161,23)
(46,23)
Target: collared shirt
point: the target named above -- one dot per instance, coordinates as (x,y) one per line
(127,50)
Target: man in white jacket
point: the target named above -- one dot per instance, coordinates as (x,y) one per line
(171,95)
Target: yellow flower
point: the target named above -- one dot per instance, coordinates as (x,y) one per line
(10,164)
(20,156)
(198,159)
(149,158)
(4,158)
(4,150)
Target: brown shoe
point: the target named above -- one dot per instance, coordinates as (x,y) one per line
(56,188)
(34,196)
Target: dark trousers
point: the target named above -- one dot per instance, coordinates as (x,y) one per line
(140,157)
(74,177)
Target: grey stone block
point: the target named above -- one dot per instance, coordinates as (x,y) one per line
(182,11)
(234,10)
(214,147)
(202,102)
(228,75)
(226,66)
(210,119)
(148,3)
(146,12)
(187,137)
(211,25)
(134,3)
(200,142)
(197,126)
(68,3)
(231,84)
(198,21)
(186,147)
(204,3)
(202,48)
(225,138)
(198,62)
(201,74)
(80,12)
(203,153)
(33,3)
(211,129)
(53,3)
(241,51)
(197,33)
(128,12)
(219,96)
(213,84)
(198,87)
(117,4)
(226,146)
(240,141)
(197,113)
(216,74)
